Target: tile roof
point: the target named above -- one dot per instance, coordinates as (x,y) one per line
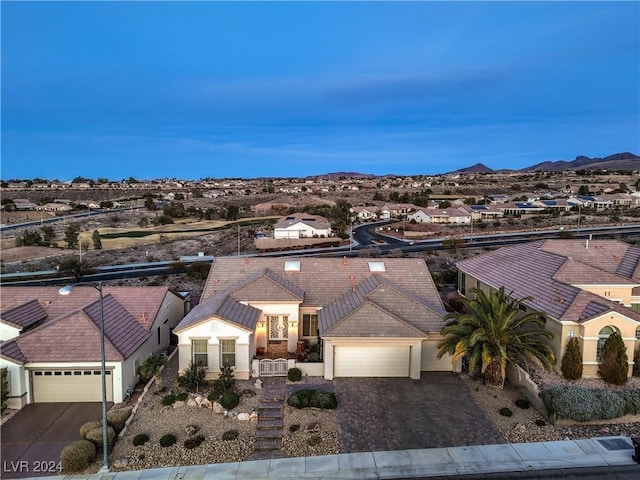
(24,315)
(11,351)
(315,221)
(224,307)
(267,285)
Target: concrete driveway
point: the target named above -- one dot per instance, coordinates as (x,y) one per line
(31,441)
(377,414)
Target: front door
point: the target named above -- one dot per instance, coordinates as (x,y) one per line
(278,327)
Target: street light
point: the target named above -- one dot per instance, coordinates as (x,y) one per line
(66,290)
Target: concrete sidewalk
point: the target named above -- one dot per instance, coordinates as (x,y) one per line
(434,462)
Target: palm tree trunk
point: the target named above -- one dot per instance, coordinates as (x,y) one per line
(494,374)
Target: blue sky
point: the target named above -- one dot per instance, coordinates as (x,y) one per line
(287,89)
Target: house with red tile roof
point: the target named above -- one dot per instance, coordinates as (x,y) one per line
(302,225)
(371,317)
(50,343)
(583,288)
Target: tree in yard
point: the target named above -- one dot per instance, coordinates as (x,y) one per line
(28,238)
(193,378)
(572,360)
(152,367)
(97,241)
(72,235)
(4,387)
(226,381)
(493,331)
(48,234)
(614,363)
(75,267)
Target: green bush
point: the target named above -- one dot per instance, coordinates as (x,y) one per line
(506,412)
(572,360)
(226,382)
(583,405)
(294,428)
(522,403)
(193,442)
(77,456)
(182,397)
(95,436)
(614,363)
(540,422)
(294,374)
(85,427)
(213,396)
(314,440)
(168,399)
(230,435)
(118,418)
(140,439)
(230,400)
(312,398)
(194,378)
(4,388)
(167,440)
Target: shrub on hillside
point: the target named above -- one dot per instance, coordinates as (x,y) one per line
(182,397)
(85,427)
(167,440)
(140,439)
(193,442)
(95,436)
(169,399)
(614,363)
(117,418)
(312,398)
(572,360)
(583,405)
(77,456)
(522,403)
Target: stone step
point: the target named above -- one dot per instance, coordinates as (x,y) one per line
(270,423)
(268,433)
(270,406)
(270,414)
(271,400)
(261,445)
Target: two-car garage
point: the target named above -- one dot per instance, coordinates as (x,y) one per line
(372,360)
(81,385)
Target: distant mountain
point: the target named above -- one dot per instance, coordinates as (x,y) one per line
(474,169)
(618,161)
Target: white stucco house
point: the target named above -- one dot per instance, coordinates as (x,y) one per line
(51,342)
(372,317)
(302,225)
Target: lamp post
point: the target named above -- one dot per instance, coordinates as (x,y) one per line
(66,290)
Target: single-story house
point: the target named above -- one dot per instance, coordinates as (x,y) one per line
(372,317)
(445,215)
(363,214)
(583,288)
(51,342)
(302,225)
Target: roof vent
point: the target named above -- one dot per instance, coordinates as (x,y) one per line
(377,267)
(292,266)
(345,261)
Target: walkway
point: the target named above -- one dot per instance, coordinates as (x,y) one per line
(612,453)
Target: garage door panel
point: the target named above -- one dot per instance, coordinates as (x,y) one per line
(70,386)
(371,361)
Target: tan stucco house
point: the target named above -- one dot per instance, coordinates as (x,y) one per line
(51,342)
(583,288)
(302,225)
(374,317)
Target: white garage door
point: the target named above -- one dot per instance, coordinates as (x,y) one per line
(70,386)
(371,361)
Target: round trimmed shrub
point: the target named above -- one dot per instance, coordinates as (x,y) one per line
(540,422)
(230,435)
(140,439)
(294,428)
(89,426)
(230,400)
(168,399)
(213,397)
(312,398)
(95,437)
(182,397)
(314,440)
(117,418)
(77,456)
(506,412)
(193,442)
(522,403)
(294,374)
(167,440)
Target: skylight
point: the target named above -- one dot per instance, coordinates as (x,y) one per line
(292,266)
(377,267)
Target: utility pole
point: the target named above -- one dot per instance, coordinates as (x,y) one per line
(238,240)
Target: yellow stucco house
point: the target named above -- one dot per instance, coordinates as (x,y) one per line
(583,288)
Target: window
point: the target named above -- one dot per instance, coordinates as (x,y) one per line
(377,267)
(292,265)
(462,283)
(638,334)
(199,348)
(572,333)
(309,325)
(228,352)
(159,336)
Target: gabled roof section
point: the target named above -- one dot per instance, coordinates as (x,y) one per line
(629,264)
(265,286)
(11,351)
(224,307)
(576,273)
(592,309)
(120,328)
(25,315)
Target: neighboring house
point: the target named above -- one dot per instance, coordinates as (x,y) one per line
(557,205)
(55,207)
(396,210)
(375,318)
(446,215)
(364,214)
(24,204)
(584,289)
(484,212)
(520,208)
(51,342)
(302,225)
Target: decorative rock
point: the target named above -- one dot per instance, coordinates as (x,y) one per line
(191,429)
(217,408)
(191,402)
(244,417)
(177,404)
(258,383)
(205,403)
(253,416)
(199,400)
(120,463)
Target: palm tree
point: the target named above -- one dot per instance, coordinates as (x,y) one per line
(494,331)
(152,367)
